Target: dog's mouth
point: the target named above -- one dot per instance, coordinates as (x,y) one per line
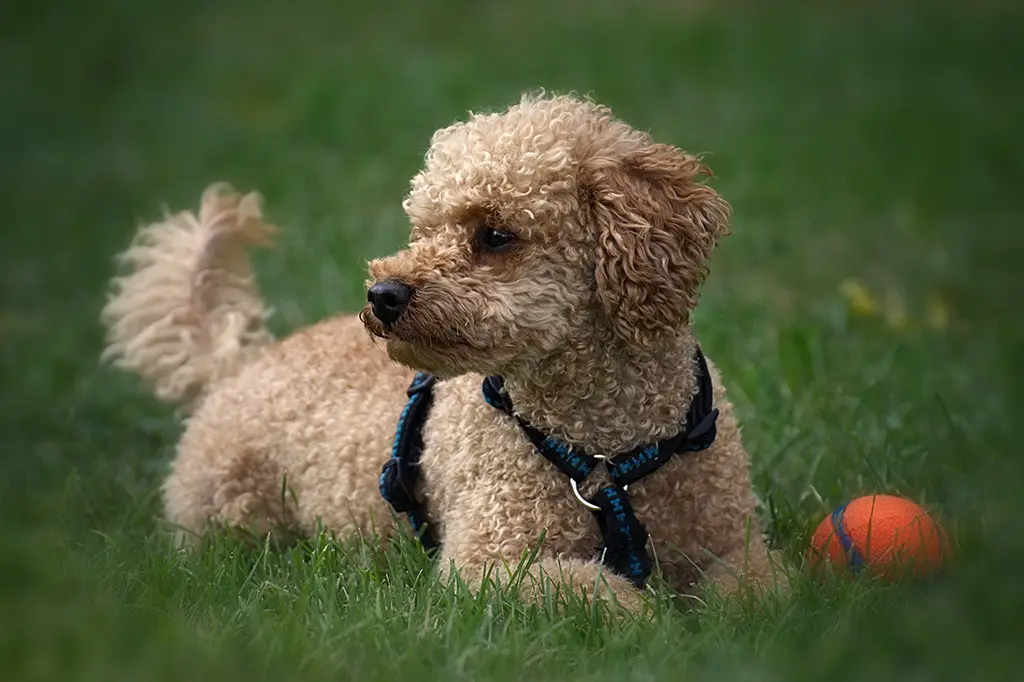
(373,325)
(400,333)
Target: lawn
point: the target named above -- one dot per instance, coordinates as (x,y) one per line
(858,145)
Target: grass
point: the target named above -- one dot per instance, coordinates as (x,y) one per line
(854,142)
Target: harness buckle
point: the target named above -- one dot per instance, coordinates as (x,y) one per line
(584,501)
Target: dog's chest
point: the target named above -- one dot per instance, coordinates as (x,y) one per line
(481,475)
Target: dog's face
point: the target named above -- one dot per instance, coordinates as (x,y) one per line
(535,228)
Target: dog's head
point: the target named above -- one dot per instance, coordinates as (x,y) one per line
(538,227)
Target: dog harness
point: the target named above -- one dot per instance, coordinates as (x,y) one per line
(624,536)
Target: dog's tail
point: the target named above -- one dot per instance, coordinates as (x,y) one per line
(187,312)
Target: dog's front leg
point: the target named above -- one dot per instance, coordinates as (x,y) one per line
(585,579)
(546,580)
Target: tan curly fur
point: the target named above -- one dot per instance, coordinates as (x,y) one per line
(586,315)
(188,312)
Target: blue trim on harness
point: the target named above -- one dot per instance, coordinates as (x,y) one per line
(573,462)
(624,537)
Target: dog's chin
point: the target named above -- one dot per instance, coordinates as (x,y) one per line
(444,356)
(442,362)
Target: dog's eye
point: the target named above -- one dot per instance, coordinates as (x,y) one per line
(495,240)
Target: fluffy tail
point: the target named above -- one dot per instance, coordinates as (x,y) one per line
(187,312)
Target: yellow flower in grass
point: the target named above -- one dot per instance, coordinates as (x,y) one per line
(893,310)
(859,300)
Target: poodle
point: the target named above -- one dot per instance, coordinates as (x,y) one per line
(542,307)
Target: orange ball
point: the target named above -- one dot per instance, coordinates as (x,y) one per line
(886,535)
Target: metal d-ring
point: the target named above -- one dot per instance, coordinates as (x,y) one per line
(584,501)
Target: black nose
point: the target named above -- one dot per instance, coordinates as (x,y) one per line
(389,299)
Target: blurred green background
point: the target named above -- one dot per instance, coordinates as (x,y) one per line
(865,313)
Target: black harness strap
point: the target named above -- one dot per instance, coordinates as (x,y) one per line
(624,537)
(574,463)
(401,473)
(698,433)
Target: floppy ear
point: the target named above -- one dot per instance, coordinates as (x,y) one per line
(656,228)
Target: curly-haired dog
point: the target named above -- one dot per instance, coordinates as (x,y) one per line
(552,246)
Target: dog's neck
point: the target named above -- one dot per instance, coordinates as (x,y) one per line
(608,397)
